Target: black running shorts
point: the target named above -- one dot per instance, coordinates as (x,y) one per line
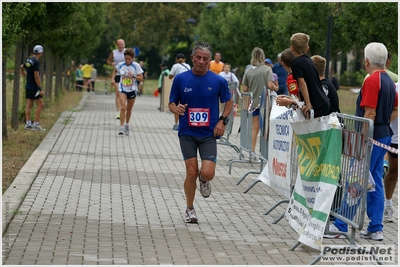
(30,94)
(130,95)
(207,147)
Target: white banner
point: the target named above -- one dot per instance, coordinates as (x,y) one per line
(319,144)
(276,173)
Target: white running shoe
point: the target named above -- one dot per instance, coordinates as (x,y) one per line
(126,129)
(36,127)
(121,130)
(28,126)
(377,236)
(388,214)
(332,229)
(205,188)
(190,216)
(253,156)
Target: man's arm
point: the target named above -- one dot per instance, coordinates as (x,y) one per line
(22,70)
(228,107)
(110,59)
(219,129)
(179,110)
(370,113)
(37,79)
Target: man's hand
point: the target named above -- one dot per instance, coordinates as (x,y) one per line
(219,129)
(180,109)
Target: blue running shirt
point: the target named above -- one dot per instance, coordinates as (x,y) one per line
(203,95)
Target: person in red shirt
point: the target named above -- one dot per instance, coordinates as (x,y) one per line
(292,85)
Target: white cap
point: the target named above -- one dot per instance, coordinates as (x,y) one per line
(38,49)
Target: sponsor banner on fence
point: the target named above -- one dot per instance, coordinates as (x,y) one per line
(276,173)
(319,149)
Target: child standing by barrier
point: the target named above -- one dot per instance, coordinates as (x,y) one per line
(306,74)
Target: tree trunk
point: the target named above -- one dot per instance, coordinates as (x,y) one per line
(17,85)
(4,98)
(59,76)
(66,76)
(48,76)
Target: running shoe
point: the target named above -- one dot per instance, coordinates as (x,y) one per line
(205,188)
(117,117)
(332,229)
(190,216)
(36,128)
(377,236)
(253,156)
(121,130)
(175,127)
(126,129)
(388,214)
(28,126)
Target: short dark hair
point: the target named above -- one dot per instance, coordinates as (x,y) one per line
(287,56)
(129,52)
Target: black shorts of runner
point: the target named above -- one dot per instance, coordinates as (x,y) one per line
(207,147)
(117,78)
(30,94)
(130,95)
(393,155)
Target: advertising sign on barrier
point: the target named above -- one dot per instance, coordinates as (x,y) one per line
(276,173)
(319,144)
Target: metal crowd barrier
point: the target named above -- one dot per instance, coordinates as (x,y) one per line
(234,88)
(245,130)
(349,204)
(265,110)
(294,165)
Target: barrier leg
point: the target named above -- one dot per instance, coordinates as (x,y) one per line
(230,162)
(276,205)
(251,186)
(245,175)
(279,218)
(294,246)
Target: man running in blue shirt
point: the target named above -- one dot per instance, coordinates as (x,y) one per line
(195,97)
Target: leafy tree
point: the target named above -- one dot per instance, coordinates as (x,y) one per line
(154,26)
(362,23)
(235,29)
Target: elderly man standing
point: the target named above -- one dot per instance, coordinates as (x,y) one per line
(377,101)
(279,70)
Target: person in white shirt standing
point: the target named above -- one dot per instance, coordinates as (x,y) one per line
(179,67)
(130,72)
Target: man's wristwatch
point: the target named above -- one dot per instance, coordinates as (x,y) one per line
(224,119)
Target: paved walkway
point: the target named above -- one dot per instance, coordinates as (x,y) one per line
(88,196)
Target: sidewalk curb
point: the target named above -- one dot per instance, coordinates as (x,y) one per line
(16,192)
